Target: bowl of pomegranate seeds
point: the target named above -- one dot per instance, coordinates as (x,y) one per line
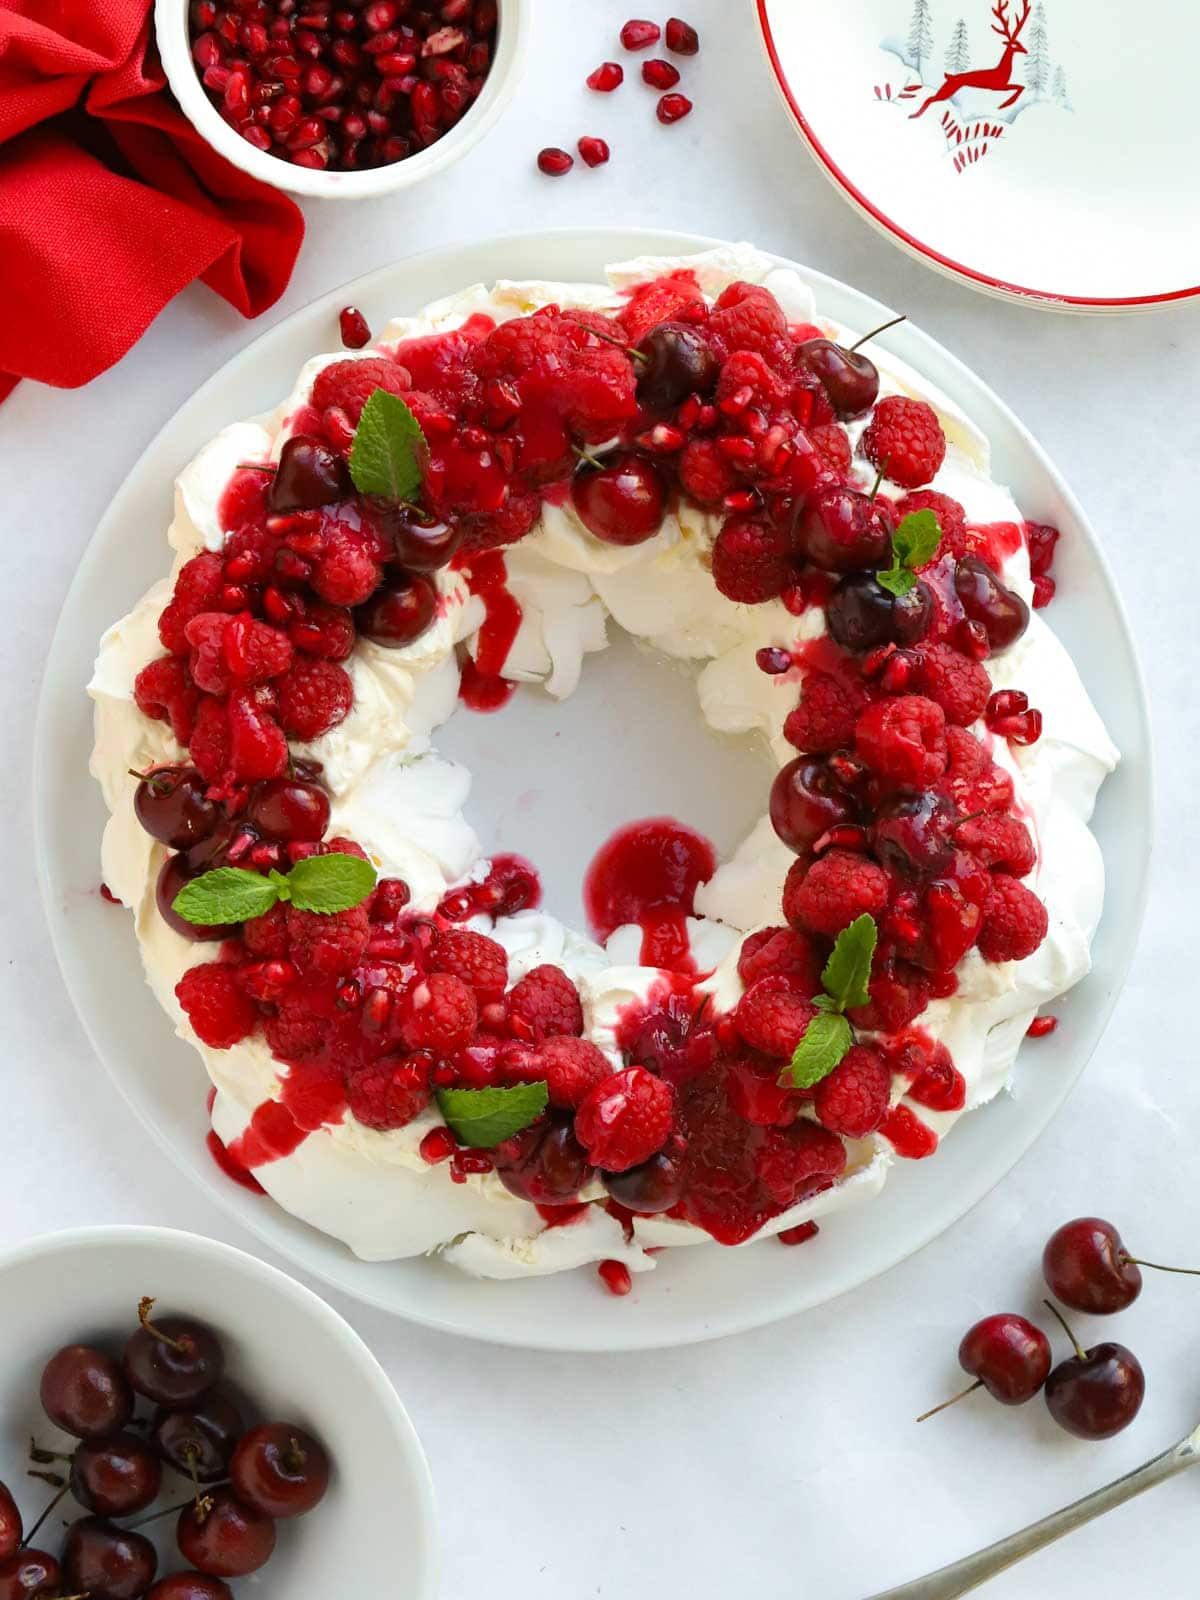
(341,98)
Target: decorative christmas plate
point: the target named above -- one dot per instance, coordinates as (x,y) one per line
(1036,149)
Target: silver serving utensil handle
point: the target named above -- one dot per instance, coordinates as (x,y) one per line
(963,1576)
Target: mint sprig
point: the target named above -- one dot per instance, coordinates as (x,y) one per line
(845,982)
(484,1118)
(914,543)
(232,894)
(388,450)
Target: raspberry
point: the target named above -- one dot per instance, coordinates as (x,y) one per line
(219,1012)
(313,697)
(899,993)
(659,301)
(386,1094)
(959,685)
(749,561)
(1041,539)
(1014,922)
(973,779)
(854,1098)
(163,690)
(952,520)
(832,444)
(226,651)
(295,1033)
(1044,590)
(347,572)
(559,367)
(209,743)
(951,927)
(998,841)
(480,962)
(826,716)
(350,384)
(323,630)
(907,436)
(543,1004)
(747,370)
(267,936)
(705,475)
(438,1013)
(625,1119)
(797,1161)
(828,895)
(780,953)
(903,740)
(748,317)
(752,1085)
(196,588)
(571,1068)
(257,747)
(772,1015)
(327,944)
(496,529)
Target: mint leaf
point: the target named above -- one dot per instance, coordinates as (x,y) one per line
(914,543)
(330,883)
(896,580)
(483,1118)
(848,969)
(825,1042)
(385,458)
(227,894)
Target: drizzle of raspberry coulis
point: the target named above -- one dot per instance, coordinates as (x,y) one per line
(648,873)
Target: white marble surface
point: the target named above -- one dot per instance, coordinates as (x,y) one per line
(784,1462)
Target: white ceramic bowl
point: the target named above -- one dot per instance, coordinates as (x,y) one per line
(171,27)
(289,1354)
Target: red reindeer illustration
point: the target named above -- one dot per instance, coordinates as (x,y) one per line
(998,77)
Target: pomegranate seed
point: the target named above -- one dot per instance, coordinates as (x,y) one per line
(734,404)
(215,78)
(1040,1027)
(305,134)
(594,151)
(898,673)
(379,15)
(316,80)
(256,41)
(673,108)
(659,74)
(258,137)
(555,163)
(443,41)
(742,500)
(682,37)
(772,660)
(308,43)
(439,1144)
(346,53)
(206,51)
(227,27)
(615,1274)
(204,13)
(396,64)
(1006,703)
(662,439)
(638,34)
(465,1163)
(318,159)
(848,770)
(609,75)
(847,836)
(972,640)
(1025,729)
(354,329)
(737,449)
(803,1231)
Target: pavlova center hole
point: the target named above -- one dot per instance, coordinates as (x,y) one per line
(553,780)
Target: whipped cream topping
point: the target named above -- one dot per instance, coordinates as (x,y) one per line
(406,806)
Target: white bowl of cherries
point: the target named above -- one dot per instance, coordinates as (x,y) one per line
(163,1448)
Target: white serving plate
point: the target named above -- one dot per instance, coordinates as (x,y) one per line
(289,1354)
(695,1293)
(1074,197)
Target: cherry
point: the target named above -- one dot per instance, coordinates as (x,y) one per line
(654,1186)
(621,502)
(1007,1355)
(170,803)
(105,1562)
(421,542)
(1088,1267)
(845,531)
(677,361)
(11,1527)
(115,1476)
(806,801)
(279,1470)
(398,612)
(173,875)
(309,475)
(85,1392)
(172,1362)
(189,1586)
(224,1538)
(30,1575)
(1002,613)
(915,833)
(200,1441)
(659,1043)
(1095,1393)
(286,809)
(549,1166)
(862,615)
(850,380)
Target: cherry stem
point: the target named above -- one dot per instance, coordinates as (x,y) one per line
(54,1479)
(270,466)
(30,1533)
(878,479)
(953,1400)
(44,1458)
(1066,1328)
(202,1503)
(1157,1266)
(145,1307)
(634,355)
(586,458)
(295,1457)
(875,332)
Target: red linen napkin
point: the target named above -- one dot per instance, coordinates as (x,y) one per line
(110,202)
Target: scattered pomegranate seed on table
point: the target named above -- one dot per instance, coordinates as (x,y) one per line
(615,1276)
(555,163)
(682,38)
(800,1234)
(673,108)
(609,75)
(659,74)
(594,152)
(1040,1027)
(640,35)
(353,325)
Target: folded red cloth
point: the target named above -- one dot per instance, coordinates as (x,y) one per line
(110,202)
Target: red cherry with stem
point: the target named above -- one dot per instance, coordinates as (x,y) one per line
(115,1476)
(842,530)
(1001,611)
(850,380)
(170,803)
(621,502)
(1007,1355)
(915,833)
(676,361)
(85,1392)
(1095,1393)
(105,1562)
(189,1586)
(174,1361)
(286,809)
(280,1470)
(200,1441)
(422,543)
(30,1575)
(806,801)
(549,1166)
(1086,1264)
(398,612)
(309,475)
(224,1538)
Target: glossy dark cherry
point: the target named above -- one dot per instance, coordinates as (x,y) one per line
(845,531)
(1002,613)
(85,1392)
(621,502)
(286,809)
(229,1540)
(280,1470)
(115,1476)
(806,801)
(850,379)
(915,833)
(862,615)
(1088,1268)
(309,475)
(105,1562)
(1096,1393)
(189,1586)
(658,1043)
(422,544)
(30,1575)
(398,612)
(1008,1354)
(172,1361)
(200,1440)
(173,875)
(654,1186)
(549,1169)
(678,361)
(171,805)
(10,1525)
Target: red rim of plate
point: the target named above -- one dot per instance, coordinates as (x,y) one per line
(917,246)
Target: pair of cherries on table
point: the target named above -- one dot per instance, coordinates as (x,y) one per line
(1096,1392)
(243,1479)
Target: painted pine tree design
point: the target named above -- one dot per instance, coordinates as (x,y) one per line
(1059,90)
(920,35)
(958,52)
(1037,70)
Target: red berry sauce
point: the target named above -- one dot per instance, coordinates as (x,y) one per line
(648,873)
